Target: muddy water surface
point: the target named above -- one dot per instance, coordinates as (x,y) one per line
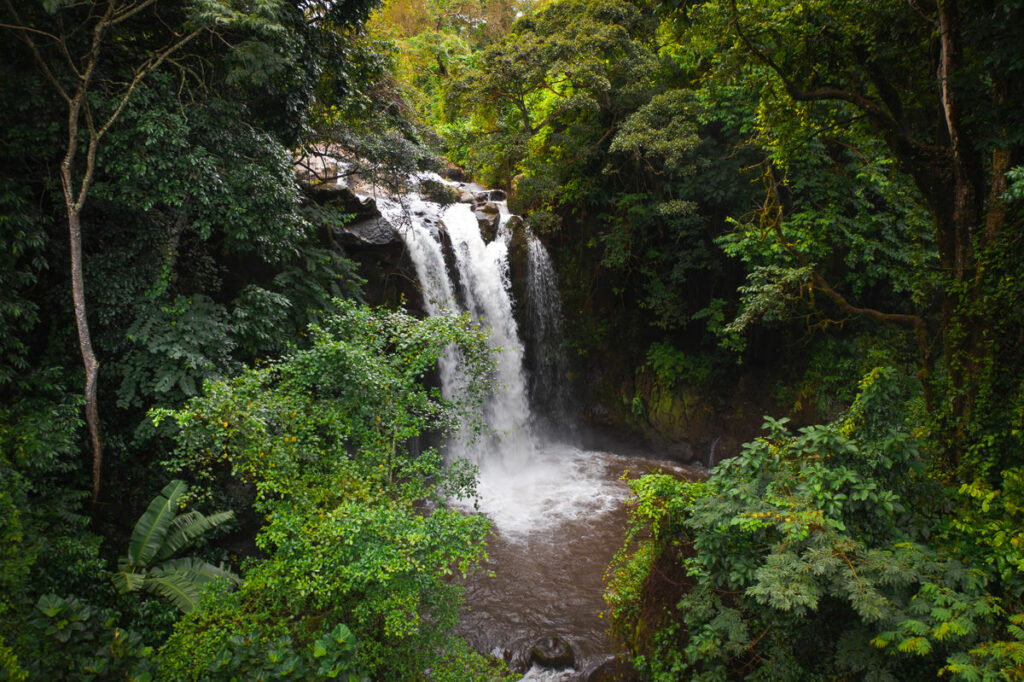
(558,523)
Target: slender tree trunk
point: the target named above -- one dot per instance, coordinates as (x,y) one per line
(89,361)
(80,119)
(73,202)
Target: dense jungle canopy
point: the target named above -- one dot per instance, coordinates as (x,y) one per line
(812,209)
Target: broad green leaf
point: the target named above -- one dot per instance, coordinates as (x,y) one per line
(200,571)
(179,587)
(151,529)
(187,527)
(128,581)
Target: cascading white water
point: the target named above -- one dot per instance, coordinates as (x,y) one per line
(410,215)
(528,482)
(483,271)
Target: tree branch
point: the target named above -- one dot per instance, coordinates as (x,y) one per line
(120,16)
(877,113)
(24,34)
(144,71)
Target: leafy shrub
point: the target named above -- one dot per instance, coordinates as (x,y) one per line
(811,555)
(72,639)
(355,530)
(160,533)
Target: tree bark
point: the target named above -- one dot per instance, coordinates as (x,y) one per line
(89,361)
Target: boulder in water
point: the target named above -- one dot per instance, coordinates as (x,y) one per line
(453,172)
(612,670)
(489,218)
(497,195)
(438,192)
(552,652)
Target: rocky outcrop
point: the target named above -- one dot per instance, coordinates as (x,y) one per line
(454,173)
(373,243)
(489,217)
(553,652)
(342,198)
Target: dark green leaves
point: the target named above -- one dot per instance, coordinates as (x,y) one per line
(151,529)
(160,533)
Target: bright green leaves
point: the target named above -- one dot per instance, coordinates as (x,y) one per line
(662,134)
(331,656)
(342,410)
(386,556)
(804,540)
(991,525)
(354,524)
(554,81)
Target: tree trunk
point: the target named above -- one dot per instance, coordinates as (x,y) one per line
(92,366)
(73,203)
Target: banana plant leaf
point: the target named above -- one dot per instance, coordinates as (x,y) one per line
(151,530)
(187,527)
(182,580)
(127,581)
(201,571)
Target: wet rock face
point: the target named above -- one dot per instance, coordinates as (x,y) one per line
(519,268)
(342,198)
(369,232)
(552,652)
(489,218)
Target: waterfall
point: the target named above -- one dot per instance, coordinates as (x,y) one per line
(556,509)
(530,479)
(484,274)
(548,361)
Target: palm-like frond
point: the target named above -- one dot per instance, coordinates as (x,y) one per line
(201,571)
(159,534)
(180,588)
(127,581)
(187,527)
(182,580)
(151,529)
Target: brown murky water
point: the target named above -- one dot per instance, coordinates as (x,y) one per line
(556,530)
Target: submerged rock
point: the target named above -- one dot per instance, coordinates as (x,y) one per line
(552,652)
(612,670)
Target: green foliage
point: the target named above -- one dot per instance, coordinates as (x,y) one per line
(160,533)
(562,70)
(20,268)
(81,641)
(328,657)
(804,549)
(355,531)
(672,366)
